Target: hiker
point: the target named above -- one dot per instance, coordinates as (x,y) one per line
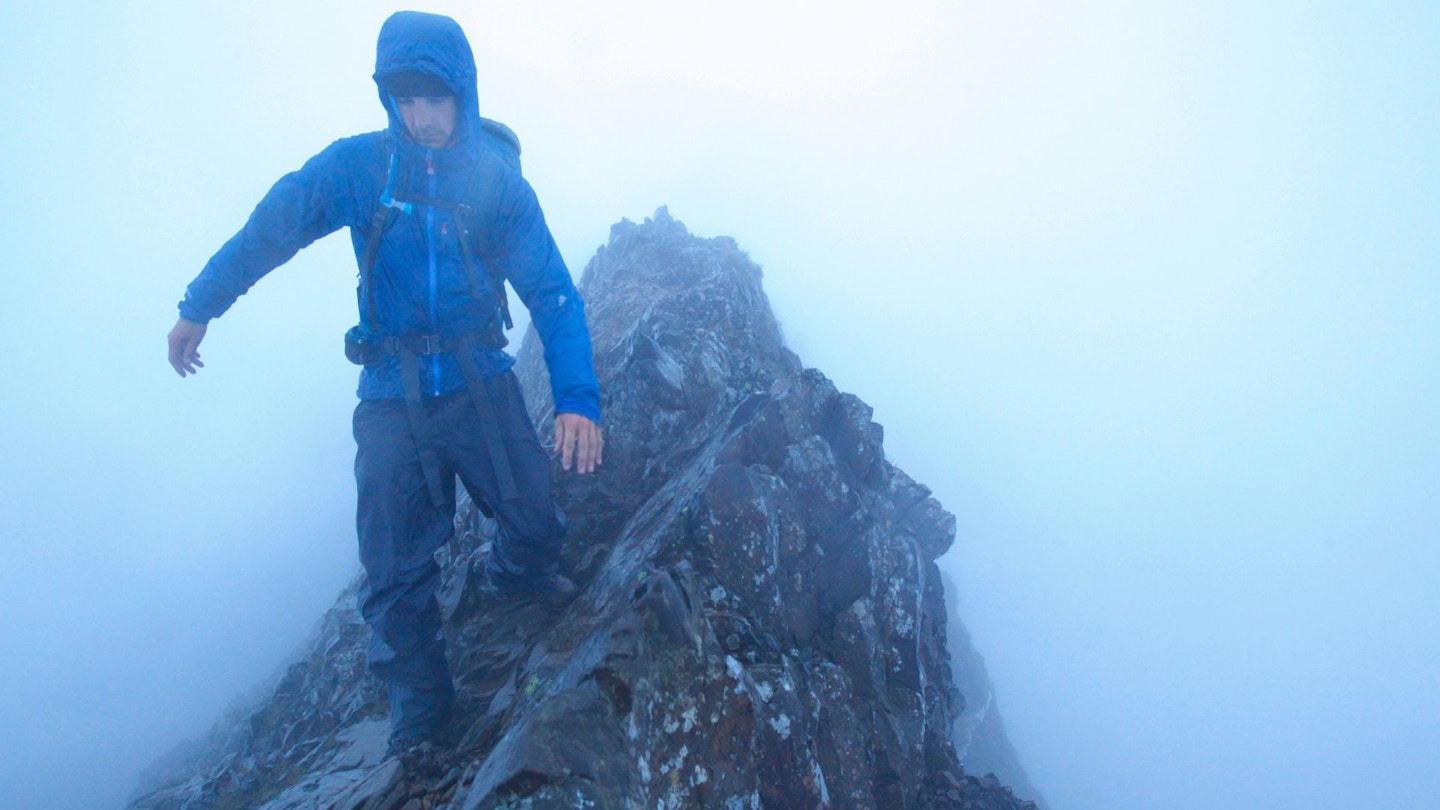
(440,218)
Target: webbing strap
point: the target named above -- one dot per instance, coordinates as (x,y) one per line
(470,271)
(464,350)
(378,222)
(424,448)
(480,199)
(489,423)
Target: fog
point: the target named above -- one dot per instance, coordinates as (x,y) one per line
(1147,295)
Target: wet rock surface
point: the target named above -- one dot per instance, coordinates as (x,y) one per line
(759,622)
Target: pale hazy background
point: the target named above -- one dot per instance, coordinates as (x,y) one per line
(1147,292)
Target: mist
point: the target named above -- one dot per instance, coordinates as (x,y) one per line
(1147,296)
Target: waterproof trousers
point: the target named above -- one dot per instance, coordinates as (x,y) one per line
(400,528)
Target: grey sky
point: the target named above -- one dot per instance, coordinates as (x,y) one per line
(1147,294)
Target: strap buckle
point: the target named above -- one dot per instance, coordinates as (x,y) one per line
(430,344)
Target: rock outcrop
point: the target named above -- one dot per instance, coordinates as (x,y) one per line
(760,621)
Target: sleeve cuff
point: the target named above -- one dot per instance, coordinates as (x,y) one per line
(589,410)
(190,313)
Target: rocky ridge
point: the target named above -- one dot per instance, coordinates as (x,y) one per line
(760,620)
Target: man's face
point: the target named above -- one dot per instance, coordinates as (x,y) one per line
(429,120)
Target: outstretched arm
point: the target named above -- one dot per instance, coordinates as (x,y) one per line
(301,207)
(185,346)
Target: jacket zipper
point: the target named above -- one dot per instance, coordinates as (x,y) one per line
(434,277)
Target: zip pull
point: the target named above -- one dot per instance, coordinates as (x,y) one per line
(429,165)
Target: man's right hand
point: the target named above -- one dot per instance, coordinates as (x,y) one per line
(185,345)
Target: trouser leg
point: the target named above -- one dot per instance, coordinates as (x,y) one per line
(531,527)
(400,529)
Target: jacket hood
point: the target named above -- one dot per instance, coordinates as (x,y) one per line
(433,44)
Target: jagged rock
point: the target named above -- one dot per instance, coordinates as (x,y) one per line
(760,621)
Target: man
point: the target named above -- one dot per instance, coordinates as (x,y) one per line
(439,217)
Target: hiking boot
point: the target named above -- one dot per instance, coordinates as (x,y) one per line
(408,748)
(421,753)
(554,591)
(419,759)
(551,591)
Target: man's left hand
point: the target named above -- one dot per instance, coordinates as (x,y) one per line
(577,439)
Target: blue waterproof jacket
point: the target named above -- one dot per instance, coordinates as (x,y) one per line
(421,284)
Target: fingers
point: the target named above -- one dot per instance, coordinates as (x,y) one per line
(563,444)
(570,442)
(184,340)
(579,443)
(587,454)
(184,358)
(186,361)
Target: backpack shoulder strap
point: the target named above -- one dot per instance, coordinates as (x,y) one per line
(480,200)
(380,220)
